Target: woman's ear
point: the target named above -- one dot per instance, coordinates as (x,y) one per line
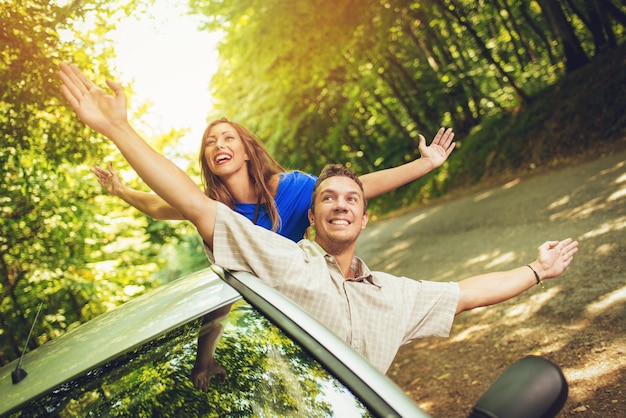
(311,218)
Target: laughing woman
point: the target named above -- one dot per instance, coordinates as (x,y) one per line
(238,171)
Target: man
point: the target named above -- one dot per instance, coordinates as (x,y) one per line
(374,312)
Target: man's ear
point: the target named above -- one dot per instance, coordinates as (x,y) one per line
(365,219)
(311,218)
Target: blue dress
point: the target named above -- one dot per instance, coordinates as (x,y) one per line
(293,200)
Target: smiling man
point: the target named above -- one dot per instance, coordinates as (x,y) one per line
(374,312)
(339,214)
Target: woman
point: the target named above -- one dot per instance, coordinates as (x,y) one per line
(238,171)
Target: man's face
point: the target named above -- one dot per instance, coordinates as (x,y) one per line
(339,213)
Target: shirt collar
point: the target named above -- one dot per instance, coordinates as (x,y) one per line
(361,271)
(358,266)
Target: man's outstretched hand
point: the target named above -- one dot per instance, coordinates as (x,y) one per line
(555,256)
(98,109)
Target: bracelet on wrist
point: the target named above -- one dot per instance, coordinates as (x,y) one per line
(539,281)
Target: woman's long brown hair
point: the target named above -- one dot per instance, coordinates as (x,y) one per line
(261,168)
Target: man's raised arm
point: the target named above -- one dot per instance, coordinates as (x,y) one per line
(553,257)
(107,114)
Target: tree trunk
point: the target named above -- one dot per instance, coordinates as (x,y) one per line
(597,22)
(613,11)
(573,54)
(543,35)
(460,18)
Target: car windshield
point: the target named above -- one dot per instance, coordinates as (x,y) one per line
(268,375)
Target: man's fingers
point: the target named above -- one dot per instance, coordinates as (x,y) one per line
(568,245)
(444,139)
(571,249)
(567,248)
(85,83)
(549,245)
(100,173)
(69,96)
(79,79)
(76,84)
(97,170)
(70,75)
(116,87)
(450,147)
(71,87)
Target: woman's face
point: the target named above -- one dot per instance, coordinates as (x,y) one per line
(224,150)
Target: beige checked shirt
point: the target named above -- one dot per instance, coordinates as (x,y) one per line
(375,313)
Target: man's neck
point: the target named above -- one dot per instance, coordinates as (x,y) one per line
(345,262)
(343,256)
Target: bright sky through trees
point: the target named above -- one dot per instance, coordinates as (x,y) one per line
(169,64)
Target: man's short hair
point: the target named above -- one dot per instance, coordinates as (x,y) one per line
(331,170)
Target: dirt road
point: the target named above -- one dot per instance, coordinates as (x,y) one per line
(578,320)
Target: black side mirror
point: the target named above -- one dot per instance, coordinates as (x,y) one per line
(532,387)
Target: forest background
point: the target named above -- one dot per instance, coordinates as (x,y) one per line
(526,85)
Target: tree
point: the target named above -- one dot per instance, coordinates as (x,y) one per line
(55,245)
(358,81)
(574,54)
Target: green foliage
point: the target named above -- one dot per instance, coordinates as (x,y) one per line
(43,209)
(182,256)
(344,81)
(55,242)
(355,82)
(268,376)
